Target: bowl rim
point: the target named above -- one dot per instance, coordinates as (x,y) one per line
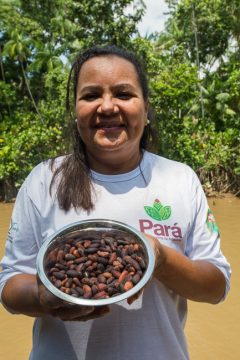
(91,224)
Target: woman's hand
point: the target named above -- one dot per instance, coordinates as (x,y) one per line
(67,312)
(25,294)
(159,251)
(159,258)
(197,280)
(79,313)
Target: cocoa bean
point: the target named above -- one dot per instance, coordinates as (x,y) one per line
(107,274)
(60,255)
(86,288)
(101,278)
(69,257)
(112,258)
(132,262)
(116,273)
(61,266)
(102,287)
(76,281)
(87,295)
(72,273)
(123,275)
(80,260)
(58,283)
(74,292)
(90,250)
(68,283)
(136,278)
(104,254)
(128,285)
(110,280)
(59,275)
(94,289)
(79,290)
(87,243)
(97,267)
(93,257)
(101,295)
(102,260)
(72,249)
(76,253)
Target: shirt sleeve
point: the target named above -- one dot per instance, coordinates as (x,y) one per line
(22,243)
(204,238)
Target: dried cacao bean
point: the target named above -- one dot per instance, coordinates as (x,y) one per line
(97,267)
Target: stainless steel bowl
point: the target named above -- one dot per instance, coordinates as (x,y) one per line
(90,227)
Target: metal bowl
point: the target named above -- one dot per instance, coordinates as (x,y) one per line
(90,228)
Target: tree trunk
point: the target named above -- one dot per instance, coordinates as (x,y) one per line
(8,190)
(29,90)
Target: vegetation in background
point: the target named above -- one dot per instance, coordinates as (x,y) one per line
(193,67)
(197,91)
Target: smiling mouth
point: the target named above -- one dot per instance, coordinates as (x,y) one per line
(109,126)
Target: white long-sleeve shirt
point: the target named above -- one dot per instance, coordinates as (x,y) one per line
(161,197)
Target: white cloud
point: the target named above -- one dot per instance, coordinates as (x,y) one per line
(154,17)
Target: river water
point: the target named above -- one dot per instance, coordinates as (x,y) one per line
(212,331)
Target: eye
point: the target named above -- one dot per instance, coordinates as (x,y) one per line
(124,95)
(89,96)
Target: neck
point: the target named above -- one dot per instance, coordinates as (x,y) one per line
(109,166)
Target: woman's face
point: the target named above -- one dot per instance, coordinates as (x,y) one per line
(111,112)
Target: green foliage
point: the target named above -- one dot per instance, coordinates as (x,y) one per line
(38,41)
(196,89)
(193,68)
(25,143)
(209,22)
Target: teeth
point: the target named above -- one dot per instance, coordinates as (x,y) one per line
(108,126)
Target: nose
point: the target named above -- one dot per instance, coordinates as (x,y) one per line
(107,105)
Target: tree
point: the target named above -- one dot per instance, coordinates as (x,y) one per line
(19,48)
(207,20)
(201,35)
(38,41)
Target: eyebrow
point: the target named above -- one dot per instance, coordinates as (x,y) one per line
(123,86)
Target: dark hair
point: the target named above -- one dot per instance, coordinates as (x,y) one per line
(107,51)
(75,170)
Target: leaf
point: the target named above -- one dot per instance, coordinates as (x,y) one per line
(12,50)
(223,97)
(165,212)
(230,112)
(194,108)
(157,205)
(152,212)
(204,90)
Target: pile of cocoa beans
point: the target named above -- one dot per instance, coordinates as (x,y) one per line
(97,267)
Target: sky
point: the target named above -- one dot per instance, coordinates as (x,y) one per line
(154,17)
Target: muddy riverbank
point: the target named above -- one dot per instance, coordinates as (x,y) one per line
(212,331)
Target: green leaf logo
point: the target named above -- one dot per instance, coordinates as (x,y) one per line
(158,211)
(157,205)
(152,212)
(165,212)
(211,223)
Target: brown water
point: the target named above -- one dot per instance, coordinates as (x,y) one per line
(15,330)
(212,331)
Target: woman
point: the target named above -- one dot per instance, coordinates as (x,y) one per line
(110,174)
